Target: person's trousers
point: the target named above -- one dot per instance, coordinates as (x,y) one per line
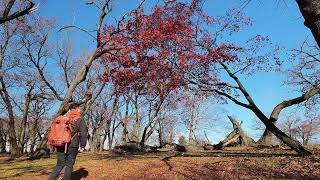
(64,159)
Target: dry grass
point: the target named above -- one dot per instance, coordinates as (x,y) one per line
(228,164)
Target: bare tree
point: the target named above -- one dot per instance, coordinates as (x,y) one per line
(104,9)
(304,129)
(18,85)
(192,113)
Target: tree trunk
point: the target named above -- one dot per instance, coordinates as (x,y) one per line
(160,135)
(34,134)
(304,141)
(102,140)
(91,144)
(125,134)
(110,141)
(24,119)
(152,119)
(15,150)
(236,137)
(266,138)
(310,9)
(135,135)
(294,144)
(94,141)
(144,136)
(244,140)
(3,137)
(191,138)
(15,14)
(3,144)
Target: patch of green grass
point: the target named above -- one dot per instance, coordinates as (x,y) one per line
(14,169)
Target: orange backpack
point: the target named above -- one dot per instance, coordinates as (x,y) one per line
(61,129)
(60,132)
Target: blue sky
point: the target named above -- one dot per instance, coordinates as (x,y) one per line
(282,23)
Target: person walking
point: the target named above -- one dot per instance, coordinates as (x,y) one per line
(66,155)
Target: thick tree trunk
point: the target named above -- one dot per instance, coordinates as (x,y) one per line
(294,144)
(266,138)
(310,9)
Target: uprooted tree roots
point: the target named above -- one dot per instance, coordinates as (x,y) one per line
(236,138)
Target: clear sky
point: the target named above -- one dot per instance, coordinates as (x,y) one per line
(283,23)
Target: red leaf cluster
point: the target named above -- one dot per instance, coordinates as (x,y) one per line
(157,52)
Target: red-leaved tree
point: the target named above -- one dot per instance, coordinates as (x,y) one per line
(171,48)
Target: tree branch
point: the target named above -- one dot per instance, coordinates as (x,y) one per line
(6,17)
(276,111)
(241,87)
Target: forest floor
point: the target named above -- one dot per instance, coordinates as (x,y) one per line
(233,163)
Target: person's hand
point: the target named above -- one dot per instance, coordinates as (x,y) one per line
(81,149)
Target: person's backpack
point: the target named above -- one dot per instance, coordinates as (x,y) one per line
(60,133)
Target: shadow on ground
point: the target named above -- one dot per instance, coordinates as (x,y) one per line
(80,173)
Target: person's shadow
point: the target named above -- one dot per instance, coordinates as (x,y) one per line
(80,173)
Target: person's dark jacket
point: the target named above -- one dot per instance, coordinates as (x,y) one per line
(79,134)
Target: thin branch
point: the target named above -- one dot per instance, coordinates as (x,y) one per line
(79,28)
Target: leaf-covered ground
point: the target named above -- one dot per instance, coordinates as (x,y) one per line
(227,164)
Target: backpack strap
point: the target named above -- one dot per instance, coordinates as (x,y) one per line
(66,145)
(71,129)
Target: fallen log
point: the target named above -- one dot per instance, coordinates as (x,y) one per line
(236,138)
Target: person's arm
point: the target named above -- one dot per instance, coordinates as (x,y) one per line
(83,133)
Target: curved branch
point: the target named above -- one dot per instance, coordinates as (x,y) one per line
(276,111)
(79,28)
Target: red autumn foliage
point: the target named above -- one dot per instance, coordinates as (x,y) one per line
(163,50)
